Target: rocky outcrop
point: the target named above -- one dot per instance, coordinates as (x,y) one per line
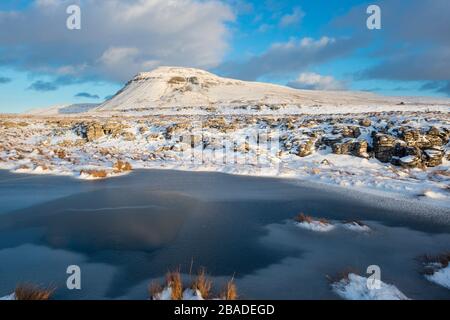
(384,147)
(351,147)
(95,130)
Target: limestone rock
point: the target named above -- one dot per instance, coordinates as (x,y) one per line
(384,147)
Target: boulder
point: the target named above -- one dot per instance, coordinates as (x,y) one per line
(433,157)
(359,149)
(410,161)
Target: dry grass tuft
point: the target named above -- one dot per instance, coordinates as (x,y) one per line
(95,173)
(302,218)
(33,292)
(202,284)
(122,166)
(174,282)
(430,261)
(230,291)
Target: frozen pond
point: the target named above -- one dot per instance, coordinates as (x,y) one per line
(127,231)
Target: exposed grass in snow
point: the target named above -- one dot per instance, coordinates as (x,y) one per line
(32,292)
(356,225)
(201,288)
(175,283)
(355,287)
(309,223)
(202,284)
(437,269)
(230,291)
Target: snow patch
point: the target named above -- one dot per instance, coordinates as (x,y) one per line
(355,288)
(188,295)
(441,277)
(356,226)
(316,226)
(9,297)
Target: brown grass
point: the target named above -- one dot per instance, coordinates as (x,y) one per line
(173,279)
(33,292)
(154,289)
(203,284)
(230,291)
(121,166)
(427,260)
(301,218)
(95,173)
(343,275)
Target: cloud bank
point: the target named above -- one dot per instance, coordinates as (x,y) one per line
(118,38)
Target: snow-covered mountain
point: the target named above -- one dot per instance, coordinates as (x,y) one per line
(66,109)
(188,90)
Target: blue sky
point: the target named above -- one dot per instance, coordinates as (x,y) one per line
(321,44)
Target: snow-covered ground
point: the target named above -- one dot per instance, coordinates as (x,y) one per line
(287,147)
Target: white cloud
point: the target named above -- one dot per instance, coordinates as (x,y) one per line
(118,37)
(293,56)
(314,81)
(292,18)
